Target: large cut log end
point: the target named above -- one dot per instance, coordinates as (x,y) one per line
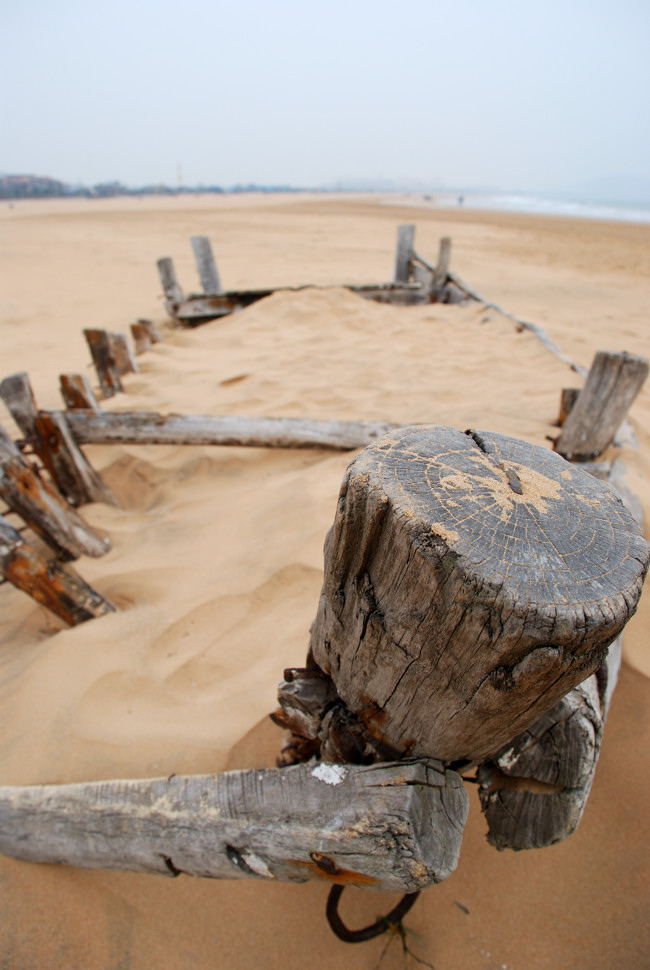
(471,581)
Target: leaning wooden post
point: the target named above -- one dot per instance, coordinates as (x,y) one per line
(173,293)
(141,338)
(388,827)
(204,258)
(404,253)
(77,392)
(53,584)
(103,357)
(612,384)
(43,508)
(53,442)
(471,581)
(122,354)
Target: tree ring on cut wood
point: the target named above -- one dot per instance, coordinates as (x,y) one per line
(471,581)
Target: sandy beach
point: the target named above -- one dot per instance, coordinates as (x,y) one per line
(216,559)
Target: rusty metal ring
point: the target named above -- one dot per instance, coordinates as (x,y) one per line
(338,927)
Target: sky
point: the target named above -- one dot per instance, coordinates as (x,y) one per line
(530,95)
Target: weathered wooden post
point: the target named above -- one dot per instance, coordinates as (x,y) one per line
(612,384)
(101,351)
(204,258)
(173,293)
(77,392)
(52,440)
(55,585)
(471,581)
(404,253)
(122,354)
(439,281)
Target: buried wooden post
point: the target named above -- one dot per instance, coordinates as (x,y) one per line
(173,293)
(204,258)
(404,253)
(394,827)
(55,585)
(77,392)
(42,507)
(439,281)
(471,581)
(103,357)
(613,382)
(141,338)
(568,398)
(53,442)
(122,354)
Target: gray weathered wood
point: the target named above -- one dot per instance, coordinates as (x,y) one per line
(53,584)
(122,353)
(77,392)
(441,274)
(534,791)
(41,506)
(404,253)
(153,331)
(568,397)
(204,258)
(52,441)
(146,427)
(613,382)
(174,295)
(101,351)
(471,580)
(391,827)
(141,338)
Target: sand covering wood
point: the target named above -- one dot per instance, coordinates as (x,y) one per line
(216,563)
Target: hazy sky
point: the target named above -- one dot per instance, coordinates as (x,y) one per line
(528,94)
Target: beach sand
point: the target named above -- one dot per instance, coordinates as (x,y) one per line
(216,559)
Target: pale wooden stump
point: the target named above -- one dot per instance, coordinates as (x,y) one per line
(471,581)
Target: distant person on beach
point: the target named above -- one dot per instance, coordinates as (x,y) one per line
(461,199)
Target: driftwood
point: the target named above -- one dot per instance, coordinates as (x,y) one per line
(101,350)
(50,437)
(205,264)
(43,508)
(392,827)
(612,385)
(55,585)
(471,581)
(534,791)
(77,392)
(146,427)
(122,354)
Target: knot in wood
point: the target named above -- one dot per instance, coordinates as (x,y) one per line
(471,580)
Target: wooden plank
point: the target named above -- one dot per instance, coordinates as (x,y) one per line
(534,791)
(147,427)
(471,581)
(394,827)
(122,354)
(173,293)
(404,253)
(141,338)
(204,258)
(52,441)
(105,364)
(612,384)
(43,508)
(441,274)
(77,392)
(54,585)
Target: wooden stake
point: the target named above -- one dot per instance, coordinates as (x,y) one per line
(122,354)
(393,827)
(54,585)
(103,357)
(77,392)
(153,331)
(52,441)
(612,384)
(471,581)
(146,427)
(441,274)
(43,508)
(205,264)
(141,338)
(404,253)
(173,293)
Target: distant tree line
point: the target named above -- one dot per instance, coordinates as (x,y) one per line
(38,187)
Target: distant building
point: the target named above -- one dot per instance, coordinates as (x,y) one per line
(29,187)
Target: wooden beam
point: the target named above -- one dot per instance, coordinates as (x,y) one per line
(56,586)
(122,354)
(77,392)
(393,827)
(471,581)
(147,427)
(43,508)
(534,791)
(52,441)
(205,264)
(103,357)
(404,253)
(612,384)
